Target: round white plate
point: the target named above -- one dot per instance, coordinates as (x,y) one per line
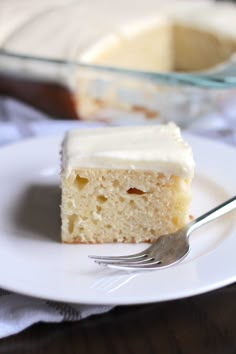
(34,262)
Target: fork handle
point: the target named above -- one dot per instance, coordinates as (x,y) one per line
(220,210)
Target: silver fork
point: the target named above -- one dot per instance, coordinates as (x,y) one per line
(169,249)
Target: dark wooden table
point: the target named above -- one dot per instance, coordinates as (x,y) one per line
(204,324)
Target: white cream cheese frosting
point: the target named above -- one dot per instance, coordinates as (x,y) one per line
(158,148)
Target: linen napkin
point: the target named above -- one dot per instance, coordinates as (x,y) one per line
(18,121)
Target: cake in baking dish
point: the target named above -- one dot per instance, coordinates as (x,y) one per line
(124,184)
(182,36)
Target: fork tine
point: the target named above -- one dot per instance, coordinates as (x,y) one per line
(129,261)
(130,265)
(135,256)
(135,268)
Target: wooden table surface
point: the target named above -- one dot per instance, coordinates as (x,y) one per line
(204,324)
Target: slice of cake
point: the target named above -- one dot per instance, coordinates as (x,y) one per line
(124,184)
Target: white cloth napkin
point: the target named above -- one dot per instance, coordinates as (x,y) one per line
(18,312)
(18,121)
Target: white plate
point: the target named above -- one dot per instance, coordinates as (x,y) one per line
(34,262)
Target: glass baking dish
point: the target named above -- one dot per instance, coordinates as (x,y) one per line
(76,83)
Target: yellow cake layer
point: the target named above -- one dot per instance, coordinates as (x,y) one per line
(105,206)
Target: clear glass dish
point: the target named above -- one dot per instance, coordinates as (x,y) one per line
(54,70)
